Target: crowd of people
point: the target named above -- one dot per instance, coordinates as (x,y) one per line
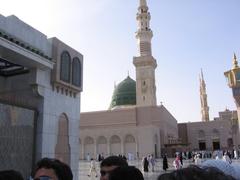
(117,168)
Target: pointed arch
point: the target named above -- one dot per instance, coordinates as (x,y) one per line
(62,148)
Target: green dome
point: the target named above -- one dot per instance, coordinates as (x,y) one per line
(124,93)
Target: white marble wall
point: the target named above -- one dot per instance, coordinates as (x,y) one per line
(54,104)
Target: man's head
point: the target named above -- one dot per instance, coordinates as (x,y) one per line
(10,175)
(52,169)
(196,173)
(126,173)
(109,164)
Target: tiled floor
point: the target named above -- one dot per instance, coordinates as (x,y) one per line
(84,169)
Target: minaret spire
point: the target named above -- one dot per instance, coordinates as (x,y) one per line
(235,62)
(203,98)
(202,75)
(144,33)
(145,63)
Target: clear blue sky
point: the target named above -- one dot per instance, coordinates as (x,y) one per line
(188,35)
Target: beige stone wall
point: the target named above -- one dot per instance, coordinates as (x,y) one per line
(103,119)
(209,132)
(149,127)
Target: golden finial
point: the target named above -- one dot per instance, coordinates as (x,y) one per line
(235,62)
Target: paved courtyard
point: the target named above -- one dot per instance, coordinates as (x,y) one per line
(84,169)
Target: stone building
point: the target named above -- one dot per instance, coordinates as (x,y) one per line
(219,133)
(40,82)
(134,123)
(211,135)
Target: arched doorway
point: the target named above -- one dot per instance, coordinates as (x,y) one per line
(102,146)
(201,140)
(88,147)
(216,139)
(62,148)
(130,147)
(115,145)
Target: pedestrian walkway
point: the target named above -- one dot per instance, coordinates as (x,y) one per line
(85,165)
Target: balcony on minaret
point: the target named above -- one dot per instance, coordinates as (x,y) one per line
(233,75)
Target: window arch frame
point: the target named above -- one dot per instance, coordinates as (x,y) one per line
(62,76)
(75,74)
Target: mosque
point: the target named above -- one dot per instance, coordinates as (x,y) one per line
(134,124)
(41,80)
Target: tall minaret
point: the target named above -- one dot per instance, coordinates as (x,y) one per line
(145,63)
(203,98)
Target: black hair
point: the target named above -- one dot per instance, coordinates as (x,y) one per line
(10,175)
(61,169)
(196,173)
(114,161)
(126,173)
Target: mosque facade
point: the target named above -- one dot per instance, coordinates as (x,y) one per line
(135,125)
(41,80)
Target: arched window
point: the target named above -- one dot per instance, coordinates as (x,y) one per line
(129,139)
(115,139)
(76,72)
(102,140)
(65,67)
(88,140)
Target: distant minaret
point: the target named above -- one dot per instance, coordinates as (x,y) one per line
(145,63)
(203,98)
